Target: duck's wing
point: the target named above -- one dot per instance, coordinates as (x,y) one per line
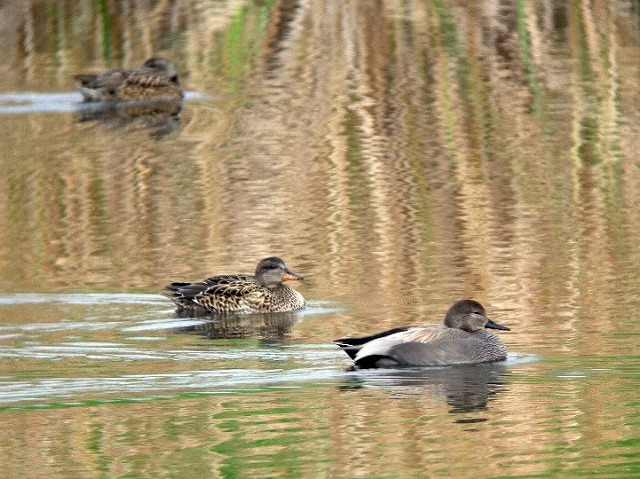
(351,346)
(431,345)
(147,83)
(218,293)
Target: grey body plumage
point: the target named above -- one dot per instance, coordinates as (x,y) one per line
(461,340)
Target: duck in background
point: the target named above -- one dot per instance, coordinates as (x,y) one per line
(157,79)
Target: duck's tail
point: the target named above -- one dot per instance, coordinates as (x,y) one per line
(351,346)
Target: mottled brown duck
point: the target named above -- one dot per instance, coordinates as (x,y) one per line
(264,292)
(156,80)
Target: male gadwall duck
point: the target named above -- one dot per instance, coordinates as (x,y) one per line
(157,79)
(460,340)
(264,292)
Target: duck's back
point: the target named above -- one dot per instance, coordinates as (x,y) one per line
(147,84)
(431,345)
(224,293)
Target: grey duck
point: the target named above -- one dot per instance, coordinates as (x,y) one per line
(460,340)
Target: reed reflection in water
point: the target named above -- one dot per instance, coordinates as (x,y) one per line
(402,155)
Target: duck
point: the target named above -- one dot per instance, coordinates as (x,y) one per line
(157,79)
(264,292)
(462,339)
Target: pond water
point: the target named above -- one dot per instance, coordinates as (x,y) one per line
(400,156)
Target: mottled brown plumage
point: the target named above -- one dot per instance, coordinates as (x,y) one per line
(263,292)
(460,340)
(157,79)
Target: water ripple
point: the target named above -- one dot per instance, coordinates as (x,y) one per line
(207,381)
(12,103)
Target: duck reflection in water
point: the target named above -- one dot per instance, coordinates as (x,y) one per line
(159,117)
(150,95)
(466,388)
(267,327)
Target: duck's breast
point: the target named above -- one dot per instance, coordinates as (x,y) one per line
(276,300)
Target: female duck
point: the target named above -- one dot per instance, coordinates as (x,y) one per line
(461,340)
(156,80)
(264,292)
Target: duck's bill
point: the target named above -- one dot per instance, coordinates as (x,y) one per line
(291,276)
(493,325)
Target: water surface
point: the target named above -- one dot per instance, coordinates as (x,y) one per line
(399,155)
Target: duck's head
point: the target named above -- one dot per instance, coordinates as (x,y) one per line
(469,315)
(272,272)
(163,66)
